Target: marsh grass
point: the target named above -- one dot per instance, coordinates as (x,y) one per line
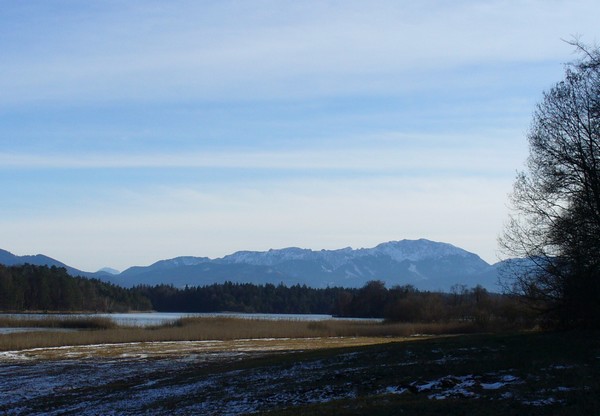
(98,331)
(91,322)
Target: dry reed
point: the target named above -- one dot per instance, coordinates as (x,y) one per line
(201,329)
(86,322)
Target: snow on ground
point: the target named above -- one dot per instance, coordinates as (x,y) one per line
(170,348)
(150,386)
(147,378)
(467,386)
(214,378)
(105,386)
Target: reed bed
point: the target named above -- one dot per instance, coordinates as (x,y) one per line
(91,322)
(220,328)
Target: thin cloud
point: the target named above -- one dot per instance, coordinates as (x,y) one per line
(326,49)
(217,221)
(480,161)
(134,131)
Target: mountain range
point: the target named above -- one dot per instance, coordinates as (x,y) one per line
(425,264)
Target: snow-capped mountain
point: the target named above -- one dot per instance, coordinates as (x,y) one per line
(427,265)
(418,250)
(422,263)
(267,258)
(399,251)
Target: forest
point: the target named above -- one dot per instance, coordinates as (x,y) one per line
(374,300)
(42,288)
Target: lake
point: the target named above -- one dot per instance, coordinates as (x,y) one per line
(159,318)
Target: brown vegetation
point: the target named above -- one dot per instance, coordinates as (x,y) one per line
(199,329)
(91,322)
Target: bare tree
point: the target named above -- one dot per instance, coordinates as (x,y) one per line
(555,218)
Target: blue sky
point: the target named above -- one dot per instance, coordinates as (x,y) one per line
(133,131)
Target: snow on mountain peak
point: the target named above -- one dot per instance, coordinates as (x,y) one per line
(416,250)
(411,250)
(267,258)
(181,261)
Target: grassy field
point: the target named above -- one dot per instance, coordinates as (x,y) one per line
(532,373)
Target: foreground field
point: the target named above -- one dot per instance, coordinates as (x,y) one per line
(532,373)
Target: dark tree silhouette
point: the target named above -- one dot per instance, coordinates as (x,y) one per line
(555,220)
(41,288)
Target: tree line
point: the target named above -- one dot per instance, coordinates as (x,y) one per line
(374,300)
(42,288)
(242,297)
(407,304)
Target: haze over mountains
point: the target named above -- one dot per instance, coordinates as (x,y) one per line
(425,264)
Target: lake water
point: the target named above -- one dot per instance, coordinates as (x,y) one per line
(159,318)
(30,329)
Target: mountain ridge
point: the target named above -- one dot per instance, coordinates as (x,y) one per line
(9,259)
(425,264)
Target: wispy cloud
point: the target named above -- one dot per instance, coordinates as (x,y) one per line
(409,161)
(133,131)
(318,213)
(273,49)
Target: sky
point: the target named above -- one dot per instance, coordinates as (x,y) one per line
(134,131)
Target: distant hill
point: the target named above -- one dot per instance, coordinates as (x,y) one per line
(425,264)
(108,270)
(9,259)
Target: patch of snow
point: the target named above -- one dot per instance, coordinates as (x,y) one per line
(493,386)
(428,386)
(542,402)
(503,382)
(395,390)
(267,258)
(417,250)
(412,250)
(462,386)
(560,367)
(413,269)
(449,386)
